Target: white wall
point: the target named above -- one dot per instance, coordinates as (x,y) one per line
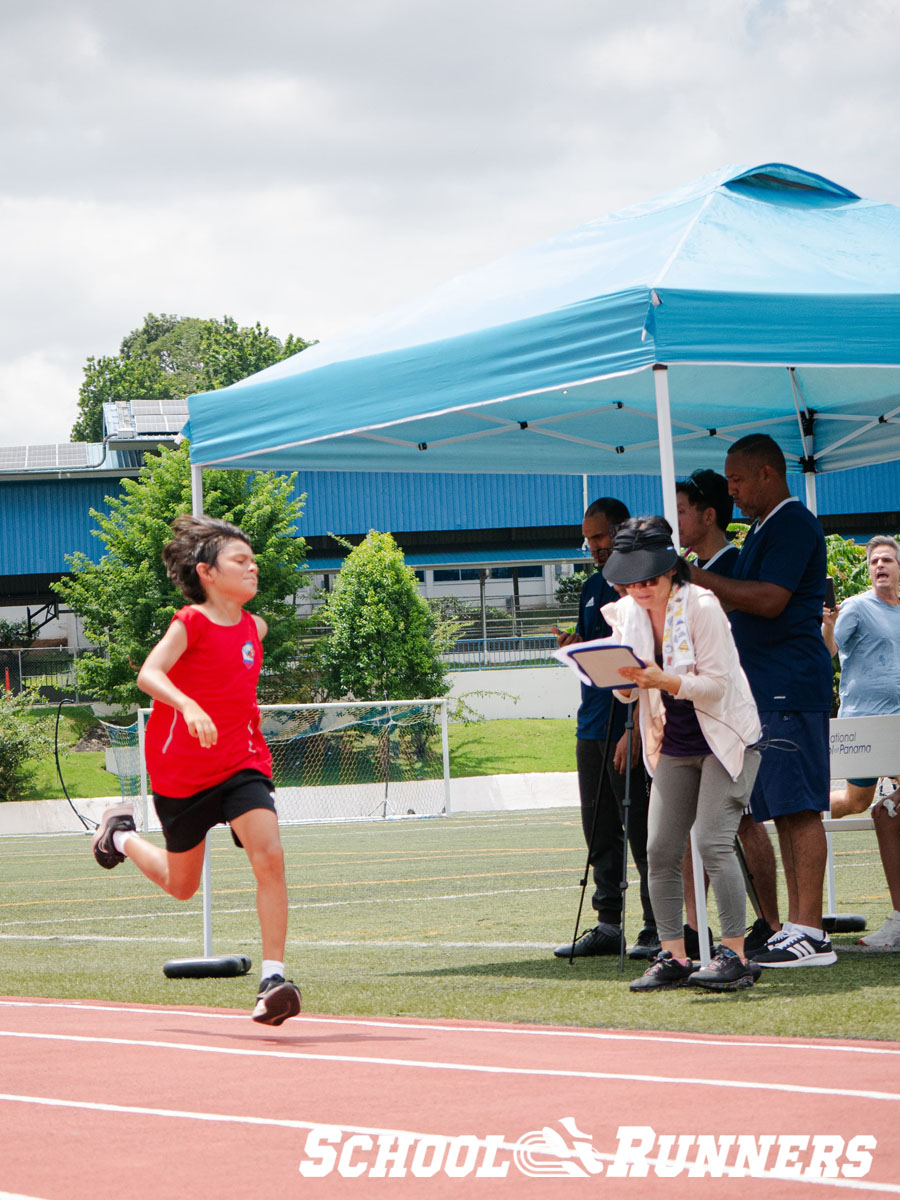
(519,692)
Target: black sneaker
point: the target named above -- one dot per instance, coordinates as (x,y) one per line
(666,972)
(726,972)
(647,944)
(798,949)
(692,942)
(119,816)
(757,935)
(278,999)
(602,939)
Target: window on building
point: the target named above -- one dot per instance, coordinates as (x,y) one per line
(455,575)
(524,572)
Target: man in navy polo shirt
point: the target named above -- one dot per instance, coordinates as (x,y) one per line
(775,600)
(606,792)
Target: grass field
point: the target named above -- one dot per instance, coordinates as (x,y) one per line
(448,917)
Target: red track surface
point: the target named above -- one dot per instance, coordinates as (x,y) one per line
(100,1101)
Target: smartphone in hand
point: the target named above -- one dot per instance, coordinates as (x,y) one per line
(830,600)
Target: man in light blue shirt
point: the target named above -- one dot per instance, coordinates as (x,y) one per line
(865,632)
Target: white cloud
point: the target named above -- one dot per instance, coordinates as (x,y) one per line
(309,165)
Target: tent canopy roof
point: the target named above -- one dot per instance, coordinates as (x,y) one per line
(767,290)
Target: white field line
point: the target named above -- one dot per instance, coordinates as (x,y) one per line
(474,1068)
(286,1123)
(536,1031)
(87,937)
(224,912)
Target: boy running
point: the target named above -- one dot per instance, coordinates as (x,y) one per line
(207,759)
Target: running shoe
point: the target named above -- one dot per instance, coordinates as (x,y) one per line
(602,939)
(798,949)
(885,938)
(278,999)
(647,944)
(726,972)
(665,972)
(757,936)
(119,816)
(692,942)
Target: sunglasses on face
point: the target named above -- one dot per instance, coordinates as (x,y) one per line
(643,583)
(695,480)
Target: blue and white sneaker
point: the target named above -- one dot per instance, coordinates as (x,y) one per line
(798,949)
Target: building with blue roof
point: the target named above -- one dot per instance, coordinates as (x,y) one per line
(522,530)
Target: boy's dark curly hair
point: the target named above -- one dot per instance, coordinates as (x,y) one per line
(196,540)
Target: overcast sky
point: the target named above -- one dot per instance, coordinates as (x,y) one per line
(311,163)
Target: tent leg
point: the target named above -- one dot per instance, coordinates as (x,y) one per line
(810,479)
(666,448)
(197,511)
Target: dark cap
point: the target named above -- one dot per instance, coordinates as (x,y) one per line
(639,554)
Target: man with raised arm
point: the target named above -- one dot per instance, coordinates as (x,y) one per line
(775,602)
(865,632)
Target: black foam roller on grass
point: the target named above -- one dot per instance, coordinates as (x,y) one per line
(224,966)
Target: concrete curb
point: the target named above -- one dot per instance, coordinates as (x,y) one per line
(481,793)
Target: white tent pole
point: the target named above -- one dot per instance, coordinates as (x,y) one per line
(666,447)
(670,511)
(810,478)
(197,511)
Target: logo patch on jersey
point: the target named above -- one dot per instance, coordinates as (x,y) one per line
(248,654)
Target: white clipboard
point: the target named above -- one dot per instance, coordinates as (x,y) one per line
(597,663)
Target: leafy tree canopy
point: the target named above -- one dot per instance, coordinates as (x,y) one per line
(126,600)
(385,641)
(170,357)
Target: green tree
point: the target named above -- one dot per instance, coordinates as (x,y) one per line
(23,740)
(14,634)
(126,600)
(108,379)
(847,566)
(568,587)
(231,353)
(385,641)
(170,357)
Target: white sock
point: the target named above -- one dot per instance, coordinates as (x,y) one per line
(818,934)
(120,839)
(270,967)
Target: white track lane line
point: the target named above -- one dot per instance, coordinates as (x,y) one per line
(287,1123)
(474,1068)
(537,1031)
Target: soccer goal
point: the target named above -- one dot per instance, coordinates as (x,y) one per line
(347,761)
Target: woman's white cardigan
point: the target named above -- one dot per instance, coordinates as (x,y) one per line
(715,684)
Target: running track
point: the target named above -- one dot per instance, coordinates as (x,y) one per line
(100,1101)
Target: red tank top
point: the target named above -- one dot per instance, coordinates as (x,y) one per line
(219,670)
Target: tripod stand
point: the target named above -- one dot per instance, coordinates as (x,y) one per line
(603,780)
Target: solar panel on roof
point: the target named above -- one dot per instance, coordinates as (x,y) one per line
(72,454)
(12,457)
(148,423)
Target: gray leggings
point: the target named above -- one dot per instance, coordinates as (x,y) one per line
(697,792)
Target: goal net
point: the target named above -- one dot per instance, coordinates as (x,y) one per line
(347,761)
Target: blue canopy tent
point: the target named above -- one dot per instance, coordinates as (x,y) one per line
(757,298)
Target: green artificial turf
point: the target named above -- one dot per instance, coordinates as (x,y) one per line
(443,918)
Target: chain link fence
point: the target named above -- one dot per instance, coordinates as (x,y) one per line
(51,669)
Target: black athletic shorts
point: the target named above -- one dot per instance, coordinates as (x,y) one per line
(186,820)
